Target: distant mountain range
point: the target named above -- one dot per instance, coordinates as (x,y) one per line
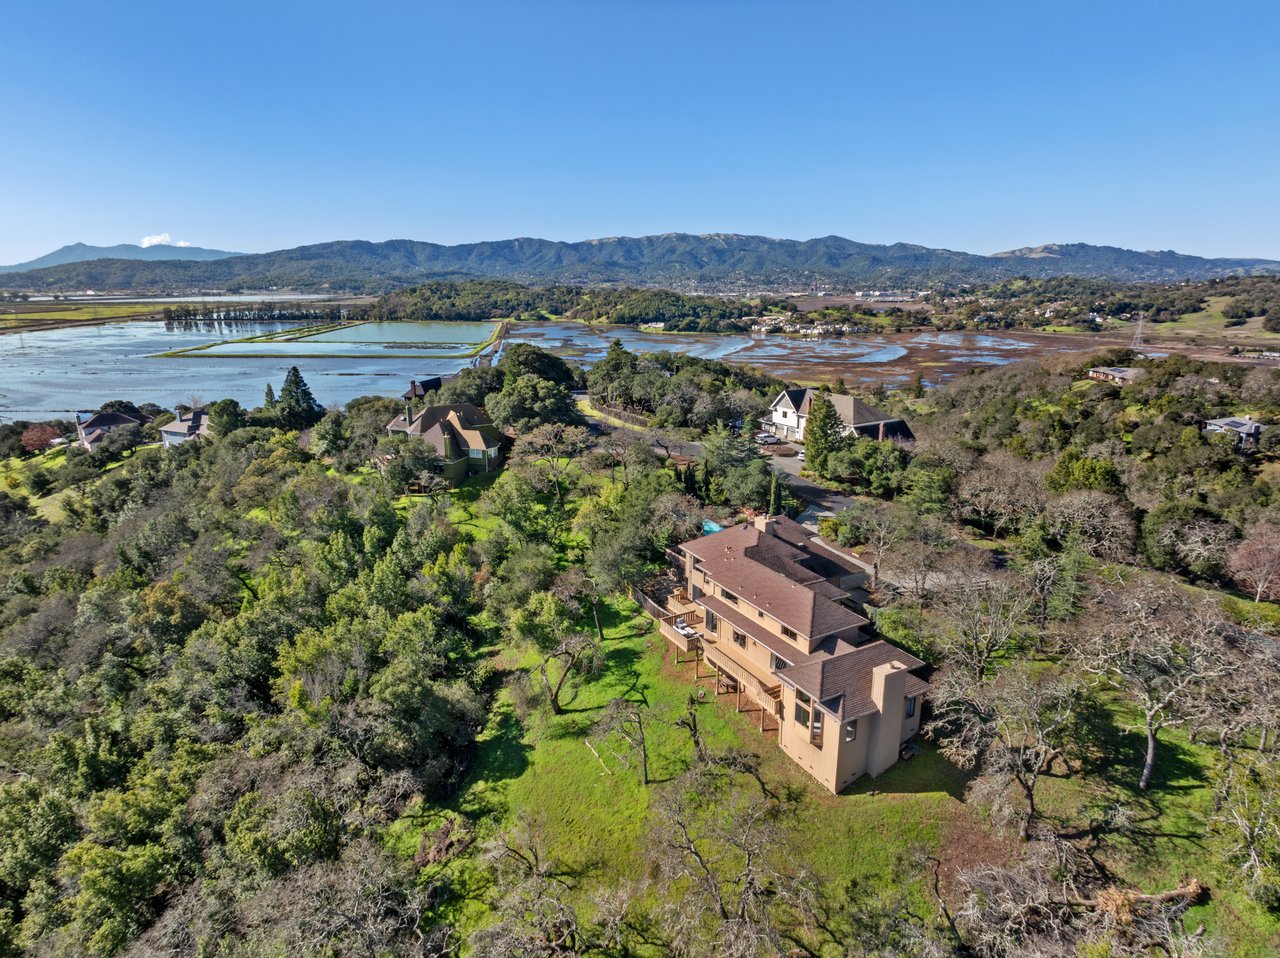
(715,262)
(83,253)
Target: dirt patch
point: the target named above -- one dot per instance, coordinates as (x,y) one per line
(968,842)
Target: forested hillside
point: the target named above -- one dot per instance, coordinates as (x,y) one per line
(673,260)
(494,299)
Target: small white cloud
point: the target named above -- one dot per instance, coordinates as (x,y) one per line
(160,239)
(182,243)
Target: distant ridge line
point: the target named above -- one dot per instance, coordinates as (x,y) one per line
(728,262)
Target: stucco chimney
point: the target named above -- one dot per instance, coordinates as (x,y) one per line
(889,695)
(765,523)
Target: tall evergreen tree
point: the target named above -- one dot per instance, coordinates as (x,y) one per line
(690,479)
(297,407)
(775,496)
(822,432)
(269,400)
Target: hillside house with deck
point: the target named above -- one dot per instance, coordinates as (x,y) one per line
(769,608)
(790,413)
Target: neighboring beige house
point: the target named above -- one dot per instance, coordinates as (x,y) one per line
(790,413)
(185,425)
(461,433)
(767,606)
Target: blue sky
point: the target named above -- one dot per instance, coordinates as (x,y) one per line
(975,126)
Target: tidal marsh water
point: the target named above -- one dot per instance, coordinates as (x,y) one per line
(53,372)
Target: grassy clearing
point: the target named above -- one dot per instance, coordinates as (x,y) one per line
(587,409)
(15,478)
(1210,323)
(598,822)
(1168,840)
(462,505)
(533,771)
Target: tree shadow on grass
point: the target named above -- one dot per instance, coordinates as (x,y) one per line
(622,665)
(1114,754)
(572,723)
(923,773)
(1144,826)
(500,756)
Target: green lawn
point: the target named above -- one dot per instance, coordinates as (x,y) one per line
(1210,323)
(1167,840)
(587,409)
(536,772)
(15,475)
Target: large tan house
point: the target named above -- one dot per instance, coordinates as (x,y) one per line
(767,606)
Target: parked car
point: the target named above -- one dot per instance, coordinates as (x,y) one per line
(765,439)
(802,455)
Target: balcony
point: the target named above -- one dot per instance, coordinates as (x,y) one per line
(680,603)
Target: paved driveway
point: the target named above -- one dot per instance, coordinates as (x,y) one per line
(820,499)
(824,500)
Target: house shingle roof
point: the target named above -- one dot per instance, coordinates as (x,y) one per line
(841,682)
(467,422)
(195,423)
(111,420)
(853,411)
(772,574)
(861,417)
(1241,424)
(420,387)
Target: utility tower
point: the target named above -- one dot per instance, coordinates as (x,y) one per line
(1137,333)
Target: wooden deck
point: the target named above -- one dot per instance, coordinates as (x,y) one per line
(761,700)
